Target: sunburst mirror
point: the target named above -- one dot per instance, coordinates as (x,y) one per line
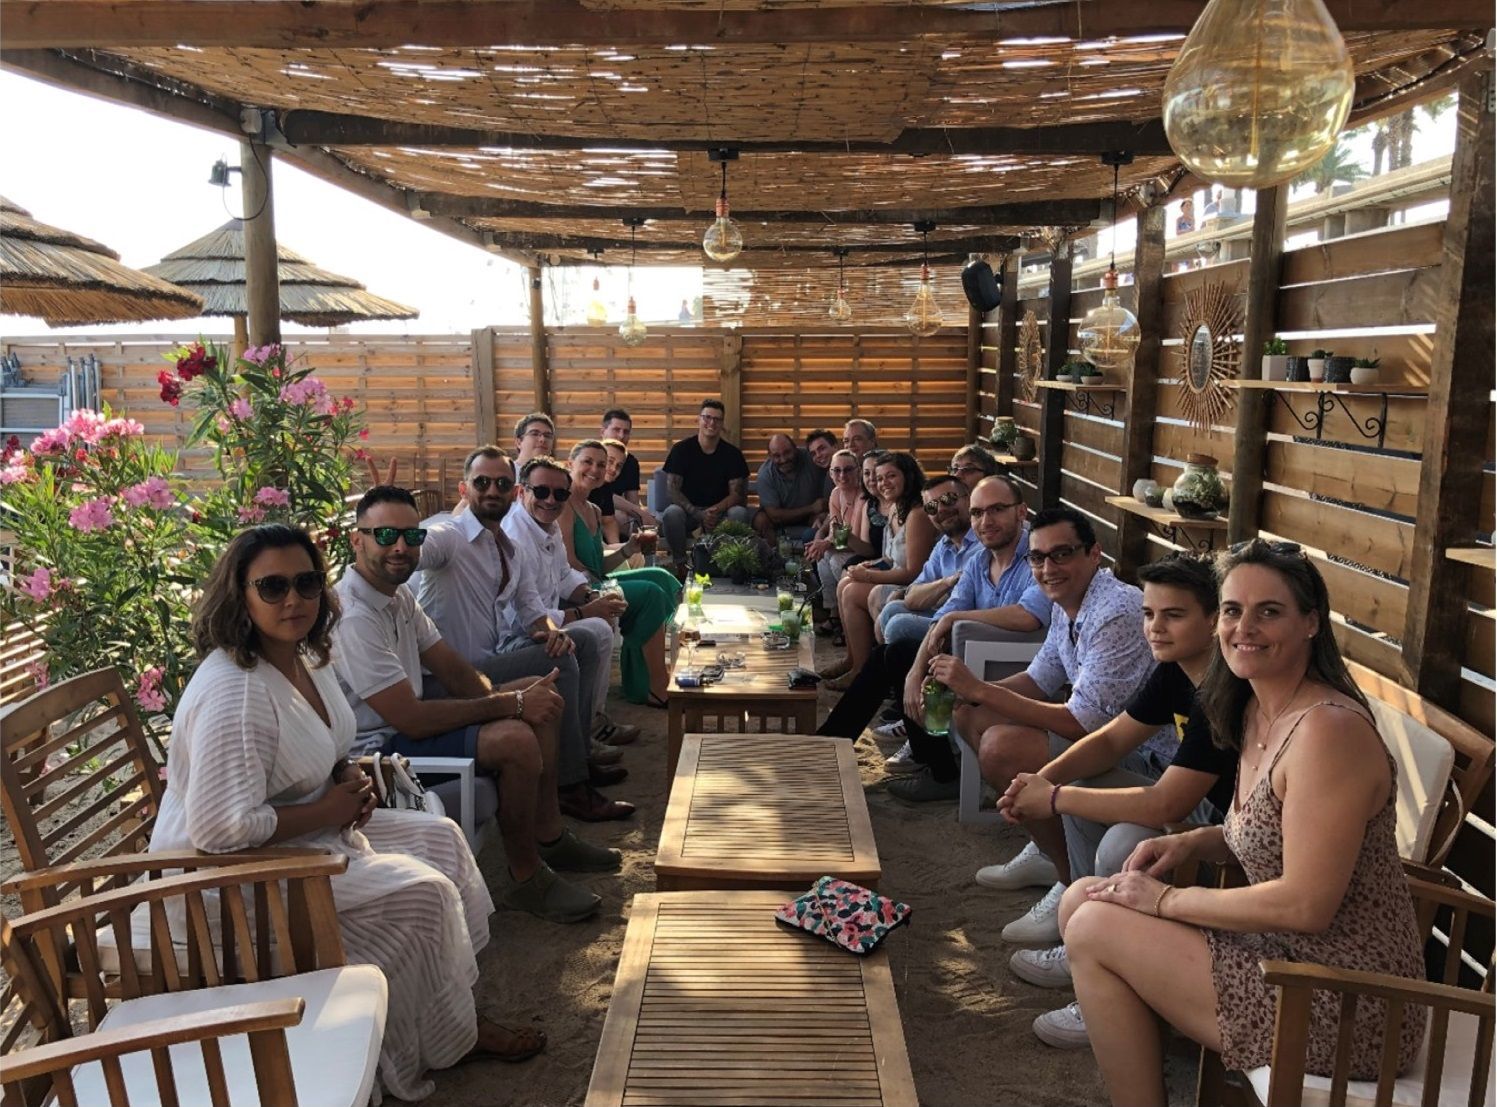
(1209,352)
(1031,359)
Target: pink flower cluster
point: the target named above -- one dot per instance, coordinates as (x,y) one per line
(195,361)
(151,492)
(15,471)
(148,692)
(241,408)
(311,392)
(92,515)
(259,355)
(84,427)
(273,497)
(251,514)
(41,585)
(39,673)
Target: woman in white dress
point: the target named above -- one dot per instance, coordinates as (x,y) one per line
(258,758)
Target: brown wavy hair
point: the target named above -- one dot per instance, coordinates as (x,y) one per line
(221,619)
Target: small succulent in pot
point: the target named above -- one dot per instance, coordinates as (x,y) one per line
(1365,371)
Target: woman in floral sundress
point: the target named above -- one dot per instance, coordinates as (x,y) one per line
(1311,825)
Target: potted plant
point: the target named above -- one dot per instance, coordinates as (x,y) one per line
(1090,374)
(1023,446)
(736,557)
(1365,371)
(1005,430)
(1317,364)
(1071,371)
(1276,359)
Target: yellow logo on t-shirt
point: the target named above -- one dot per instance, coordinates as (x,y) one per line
(1180,721)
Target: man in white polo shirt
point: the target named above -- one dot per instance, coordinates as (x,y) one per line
(380,646)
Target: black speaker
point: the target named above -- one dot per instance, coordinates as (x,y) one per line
(983,287)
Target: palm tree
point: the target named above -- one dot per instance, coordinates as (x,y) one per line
(1338,165)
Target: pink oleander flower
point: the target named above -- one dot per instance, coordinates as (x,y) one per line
(92,515)
(325,405)
(251,514)
(38,672)
(308,390)
(259,355)
(15,472)
(151,492)
(148,692)
(123,428)
(364,434)
(273,497)
(39,585)
(241,408)
(85,424)
(346,403)
(223,425)
(54,441)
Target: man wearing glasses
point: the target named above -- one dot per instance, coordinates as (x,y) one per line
(382,643)
(705,478)
(996,586)
(792,492)
(475,589)
(1094,646)
(535,436)
(947,501)
(973,464)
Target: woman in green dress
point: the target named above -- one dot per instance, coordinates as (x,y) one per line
(652,593)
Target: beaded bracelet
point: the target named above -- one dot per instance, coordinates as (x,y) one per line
(1159,903)
(1054,792)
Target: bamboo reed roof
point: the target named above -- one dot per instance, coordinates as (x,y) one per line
(213,267)
(67,279)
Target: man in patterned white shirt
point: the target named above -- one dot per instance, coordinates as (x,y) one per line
(1095,645)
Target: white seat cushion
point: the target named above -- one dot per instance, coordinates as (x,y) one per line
(140,944)
(333,1051)
(1408,1090)
(1424,760)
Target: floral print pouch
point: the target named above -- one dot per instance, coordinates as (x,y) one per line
(845,914)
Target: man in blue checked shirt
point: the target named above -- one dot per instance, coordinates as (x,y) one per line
(948,503)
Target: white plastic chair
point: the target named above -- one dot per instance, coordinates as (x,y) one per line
(476,797)
(992,654)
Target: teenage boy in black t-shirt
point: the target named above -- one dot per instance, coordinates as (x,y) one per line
(1109,809)
(705,477)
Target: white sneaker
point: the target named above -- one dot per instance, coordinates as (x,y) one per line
(1031,867)
(1041,923)
(1044,968)
(903,762)
(891,730)
(1063,1029)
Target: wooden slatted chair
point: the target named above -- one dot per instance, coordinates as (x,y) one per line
(302,1027)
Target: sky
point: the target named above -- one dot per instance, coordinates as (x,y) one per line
(138,183)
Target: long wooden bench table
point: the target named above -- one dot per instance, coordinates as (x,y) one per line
(765,811)
(716,1004)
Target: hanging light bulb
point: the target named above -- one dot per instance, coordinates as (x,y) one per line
(723,240)
(924,317)
(632,330)
(1109,334)
(841,310)
(597,310)
(1259,91)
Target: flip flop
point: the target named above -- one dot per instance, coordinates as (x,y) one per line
(526,1043)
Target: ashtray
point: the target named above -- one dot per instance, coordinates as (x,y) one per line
(776,641)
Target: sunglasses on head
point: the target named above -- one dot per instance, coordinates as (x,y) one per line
(275,588)
(544,492)
(1272,547)
(963,470)
(1060,555)
(482,484)
(388,536)
(936,503)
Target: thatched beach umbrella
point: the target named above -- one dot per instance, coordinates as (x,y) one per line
(213,267)
(69,280)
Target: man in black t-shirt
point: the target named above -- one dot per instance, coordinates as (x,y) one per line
(705,477)
(1110,808)
(619,496)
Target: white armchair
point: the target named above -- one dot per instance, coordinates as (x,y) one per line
(992,654)
(458,785)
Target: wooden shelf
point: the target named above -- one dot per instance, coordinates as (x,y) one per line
(1162,517)
(1067,386)
(1014,463)
(1324,386)
(1483,557)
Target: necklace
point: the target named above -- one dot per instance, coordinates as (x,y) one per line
(1267,730)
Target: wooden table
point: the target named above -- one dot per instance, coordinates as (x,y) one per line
(715,1004)
(759,692)
(753,811)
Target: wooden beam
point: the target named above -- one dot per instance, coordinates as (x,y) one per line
(974,368)
(1142,401)
(281,24)
(1029,213)
(486,417)
(1008,337)
(305,127)
(1057,350)
(762,259)
(1260,321)
(730,381)
(1457,418)
(540,369)
(262,278)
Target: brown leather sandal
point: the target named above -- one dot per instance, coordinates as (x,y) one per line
(524,1042)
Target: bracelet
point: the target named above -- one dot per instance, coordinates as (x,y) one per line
(519,704)
(1159,903)
(1054,792)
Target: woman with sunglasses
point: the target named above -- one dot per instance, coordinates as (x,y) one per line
(1312,825)
(651,592)
(908,538)
(258,758)
(845,508)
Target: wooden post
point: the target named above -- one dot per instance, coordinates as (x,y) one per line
(486,416)
(262,279)
(1456,418)
(730,379)
(1264,277)
(241,337)
(974,369)
(539,367)
(1057,349)
(1142,401)
(1008,337)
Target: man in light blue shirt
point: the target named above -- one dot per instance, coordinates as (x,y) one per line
(948,503)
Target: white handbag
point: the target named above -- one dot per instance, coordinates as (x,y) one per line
(396,787)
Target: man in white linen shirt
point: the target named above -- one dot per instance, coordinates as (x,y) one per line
(586,618)
(380,645)
(470,580)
